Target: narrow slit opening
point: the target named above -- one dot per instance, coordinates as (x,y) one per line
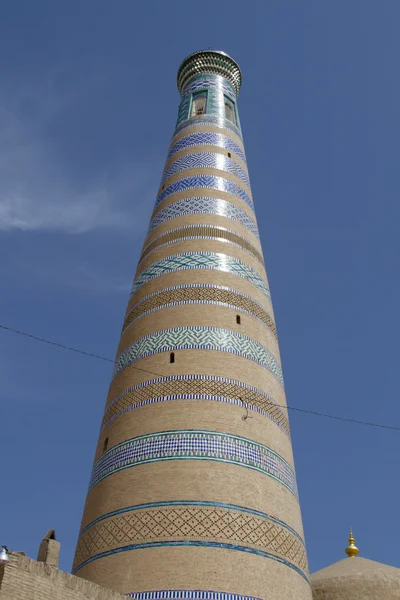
(172,357)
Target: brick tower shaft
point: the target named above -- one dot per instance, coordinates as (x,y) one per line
(193,491)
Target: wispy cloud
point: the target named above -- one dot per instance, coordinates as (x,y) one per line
(37,192)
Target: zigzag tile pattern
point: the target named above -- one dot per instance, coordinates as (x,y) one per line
(210,182)
(205,138)
(204,206)
(202,232)
(194,445)
(199,293)
(211,160)
(201,260)
(196,387)
(190,521)
(198,338)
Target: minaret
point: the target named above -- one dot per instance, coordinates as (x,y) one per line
(193,491)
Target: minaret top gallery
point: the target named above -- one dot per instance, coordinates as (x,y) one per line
(193,491)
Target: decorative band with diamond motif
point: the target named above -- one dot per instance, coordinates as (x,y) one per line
(206,138)
(201,260)
(235,527)
(194,445)
(204,160)
(195,387)
(199,293)
(210,182)
(198,338)
(203,206)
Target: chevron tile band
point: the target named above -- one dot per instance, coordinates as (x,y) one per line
(198,338)
(194,445)
(196,387)
(210,182)
(205,138)
(189,521)
(211,160)
(201,260)
(199,205)
(199,293)
(202,232)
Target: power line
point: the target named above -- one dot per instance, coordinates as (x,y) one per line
(98,357)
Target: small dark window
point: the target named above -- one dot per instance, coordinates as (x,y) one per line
(163,186)
(199,104)
(238,319)
(172,357)
(105,444)
(229,155)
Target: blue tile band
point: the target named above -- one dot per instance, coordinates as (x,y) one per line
(188,595)
(207,121)
(206,138)
(194,445)
(201,260)
(206,160)
(209,182)
(203,206)
(198,338)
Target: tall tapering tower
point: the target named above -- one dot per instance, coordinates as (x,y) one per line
(193,491)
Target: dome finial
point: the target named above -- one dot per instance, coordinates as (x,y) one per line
(352,549)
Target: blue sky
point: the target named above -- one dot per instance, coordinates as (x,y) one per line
(88,104)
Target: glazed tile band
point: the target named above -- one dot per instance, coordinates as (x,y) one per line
(198,338)
(203,205)
(210,182)
(199,231)
(235,527)
(208,121)
(206,138)
(201,82)
(201,260)
(199,293)
(196,387)
(187,595)
(203,160)
(194,445)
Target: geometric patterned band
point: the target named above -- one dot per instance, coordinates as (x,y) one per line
(198,231)
(199,293)
(204,205)
(194,445)
(187,595)
(207,121)
(198,338)
(201,260)
(187,522)
(211,160)
(206,138)
(205,181)
(195,387)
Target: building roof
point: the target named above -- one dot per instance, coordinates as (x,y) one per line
(209,61)
(357,578)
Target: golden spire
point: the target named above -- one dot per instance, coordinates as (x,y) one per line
(352,549)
